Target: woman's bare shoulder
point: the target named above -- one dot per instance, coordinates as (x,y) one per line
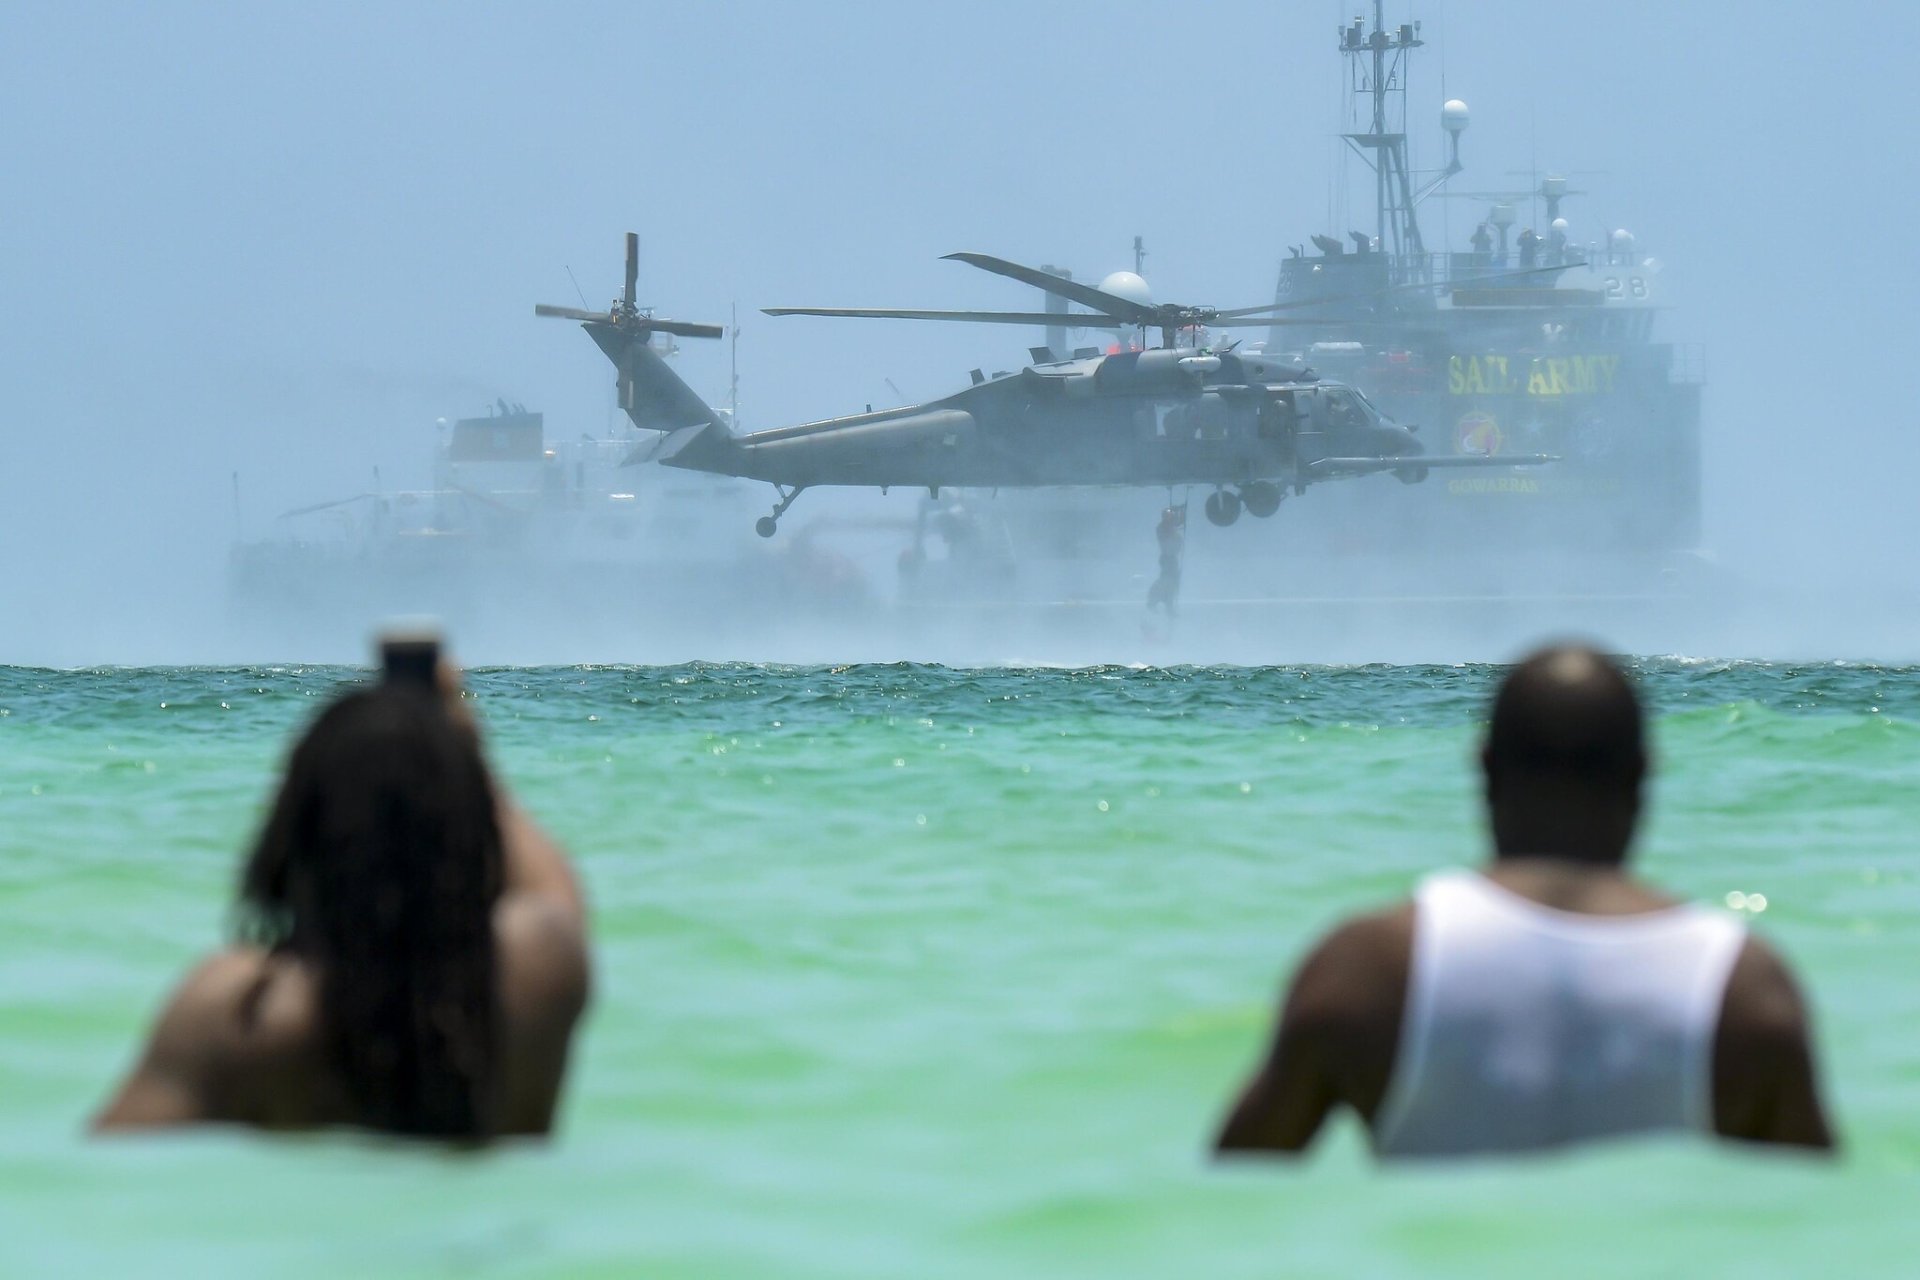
(245,1005)
(236,1017)
(545,974)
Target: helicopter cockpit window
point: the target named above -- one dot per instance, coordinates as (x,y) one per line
(1343,410)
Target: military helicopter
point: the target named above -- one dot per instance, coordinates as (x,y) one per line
(1250,427)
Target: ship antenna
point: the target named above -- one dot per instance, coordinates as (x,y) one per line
(1446,215)
(1377,74)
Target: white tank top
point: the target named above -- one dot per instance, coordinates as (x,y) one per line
(1527,1027)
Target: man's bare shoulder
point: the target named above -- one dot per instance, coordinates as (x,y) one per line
(1336,1037)
(1765,1082)
(1357,969)
(1762,1008)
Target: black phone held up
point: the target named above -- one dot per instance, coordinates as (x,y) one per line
(410,659)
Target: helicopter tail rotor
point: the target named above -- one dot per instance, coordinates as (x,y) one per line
(633,271)
(626,314)
(573,313)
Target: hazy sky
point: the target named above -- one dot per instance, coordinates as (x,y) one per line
(283,240)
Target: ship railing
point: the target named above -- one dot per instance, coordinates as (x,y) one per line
(1446,267)
(1452,269)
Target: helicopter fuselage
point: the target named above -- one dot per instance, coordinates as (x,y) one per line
(1163,417)
(1249,427)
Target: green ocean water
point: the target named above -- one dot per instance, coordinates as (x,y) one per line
(909,971)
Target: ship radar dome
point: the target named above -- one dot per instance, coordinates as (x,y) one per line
(1560,225)
(1126,284)
(1453,116)
(1623,239)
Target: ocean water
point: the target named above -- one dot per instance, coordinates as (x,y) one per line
(910,971)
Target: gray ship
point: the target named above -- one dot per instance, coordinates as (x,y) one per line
(1527,338)
(535,548)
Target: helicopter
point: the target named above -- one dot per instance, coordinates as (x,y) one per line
(1250,427)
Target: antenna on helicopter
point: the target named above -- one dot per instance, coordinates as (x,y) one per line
(733,369)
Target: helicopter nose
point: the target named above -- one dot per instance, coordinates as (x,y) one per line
(1401,440)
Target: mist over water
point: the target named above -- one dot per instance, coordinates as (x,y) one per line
(227,270)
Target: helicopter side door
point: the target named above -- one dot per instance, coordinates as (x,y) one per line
(1074,442)
(1203,439)
(1314,429)
(1278,432)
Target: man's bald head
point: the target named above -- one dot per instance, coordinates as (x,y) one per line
(1567,741)
(1567,713)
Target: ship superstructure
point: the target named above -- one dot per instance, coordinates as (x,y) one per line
(1527,338)
(530,544)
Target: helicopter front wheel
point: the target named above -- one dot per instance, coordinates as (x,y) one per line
(1223,507)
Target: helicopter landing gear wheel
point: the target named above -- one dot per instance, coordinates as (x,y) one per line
(1261,498)
(1223,508)
(767,526)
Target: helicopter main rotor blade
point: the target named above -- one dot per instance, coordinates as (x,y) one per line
(1062,320)
(1264,322)
(574,313)
(633,269)
(1391,289)
(1111,304)
(680,328)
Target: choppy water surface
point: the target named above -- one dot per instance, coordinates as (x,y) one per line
(915,971)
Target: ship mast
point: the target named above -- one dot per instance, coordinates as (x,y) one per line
(1376,65)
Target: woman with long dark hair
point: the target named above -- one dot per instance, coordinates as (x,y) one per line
(410,953)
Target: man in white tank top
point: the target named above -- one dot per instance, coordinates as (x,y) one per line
(1547,998)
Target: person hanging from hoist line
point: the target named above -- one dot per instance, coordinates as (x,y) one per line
(1164,594)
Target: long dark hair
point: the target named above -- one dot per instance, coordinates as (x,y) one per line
(379,866)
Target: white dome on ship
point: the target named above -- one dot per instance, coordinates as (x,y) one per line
(1125,284)
(1453,115)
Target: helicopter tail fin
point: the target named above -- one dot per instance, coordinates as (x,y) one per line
(652,395)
